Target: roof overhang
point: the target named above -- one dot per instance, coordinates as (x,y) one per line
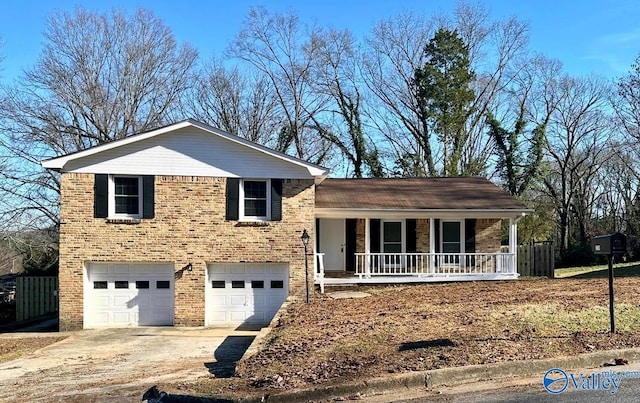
(435,213)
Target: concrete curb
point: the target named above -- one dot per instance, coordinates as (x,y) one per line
(450,376)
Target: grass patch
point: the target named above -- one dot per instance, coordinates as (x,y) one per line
(555,320)
(14,348)
(619,269)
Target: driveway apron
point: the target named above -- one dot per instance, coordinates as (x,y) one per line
(102,362)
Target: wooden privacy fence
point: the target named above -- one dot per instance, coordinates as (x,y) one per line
(35,297)
(536,259)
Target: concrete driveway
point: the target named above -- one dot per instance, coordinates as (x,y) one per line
(120,364)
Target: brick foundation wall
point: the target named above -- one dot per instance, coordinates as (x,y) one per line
(189,226)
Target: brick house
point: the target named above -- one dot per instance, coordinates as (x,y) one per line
(188,225)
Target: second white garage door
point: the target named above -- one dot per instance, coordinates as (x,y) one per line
(245,293)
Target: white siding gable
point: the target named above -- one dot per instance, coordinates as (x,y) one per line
(188,152)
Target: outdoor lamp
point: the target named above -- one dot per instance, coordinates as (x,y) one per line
(305,238)
(305,241)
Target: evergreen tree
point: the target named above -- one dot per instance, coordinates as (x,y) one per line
(443,86)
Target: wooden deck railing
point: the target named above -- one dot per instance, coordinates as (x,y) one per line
(433,264)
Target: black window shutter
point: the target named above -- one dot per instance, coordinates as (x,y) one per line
(436,226)
(101,196)
(148,196)
(410,227)
(374,236)
(470,235)
(233,198)
(276,199)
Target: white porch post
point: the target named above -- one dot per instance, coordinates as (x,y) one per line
(432,245)
(513,244)
(367,247)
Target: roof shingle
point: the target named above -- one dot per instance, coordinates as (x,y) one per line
(454,193)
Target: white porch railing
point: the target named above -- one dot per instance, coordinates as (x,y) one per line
(318,270)
(434,264)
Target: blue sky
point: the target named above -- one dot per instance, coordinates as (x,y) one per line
(600,36)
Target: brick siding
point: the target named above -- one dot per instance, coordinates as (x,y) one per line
(189,226)
(488,235)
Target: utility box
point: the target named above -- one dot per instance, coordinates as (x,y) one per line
(612,244)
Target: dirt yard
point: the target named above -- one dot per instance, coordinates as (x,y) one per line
(396,329)
(116,365)
(420,327)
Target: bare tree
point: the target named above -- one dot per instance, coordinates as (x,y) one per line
(284,50)
(577,137)
(618,202)
(496,50)
(98,78)
(395,51)
(627,102)
(526,106)
(243,104)
(336,75)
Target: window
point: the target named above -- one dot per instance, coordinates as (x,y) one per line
(217,284)
(122,284)
(99,285)
(126,194)
(392,241)
(163,284)
(277,284)
(237,284)
(451,237)
(255,198)
(257,284)
(142,284)
(392,237)
(123,196)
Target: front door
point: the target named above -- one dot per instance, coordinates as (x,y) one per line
(332,243)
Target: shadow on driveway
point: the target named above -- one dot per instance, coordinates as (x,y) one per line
(227,355)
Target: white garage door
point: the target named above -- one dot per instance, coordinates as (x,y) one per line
(128,294)
(245,293)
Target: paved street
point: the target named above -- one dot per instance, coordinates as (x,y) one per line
(528,389)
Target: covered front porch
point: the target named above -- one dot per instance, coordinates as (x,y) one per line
(403,230)
(398,249)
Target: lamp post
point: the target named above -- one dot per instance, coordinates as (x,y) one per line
(305,241)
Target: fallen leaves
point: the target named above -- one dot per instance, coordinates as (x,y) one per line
(331,341)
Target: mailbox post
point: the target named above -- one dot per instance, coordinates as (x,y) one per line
(610,245)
